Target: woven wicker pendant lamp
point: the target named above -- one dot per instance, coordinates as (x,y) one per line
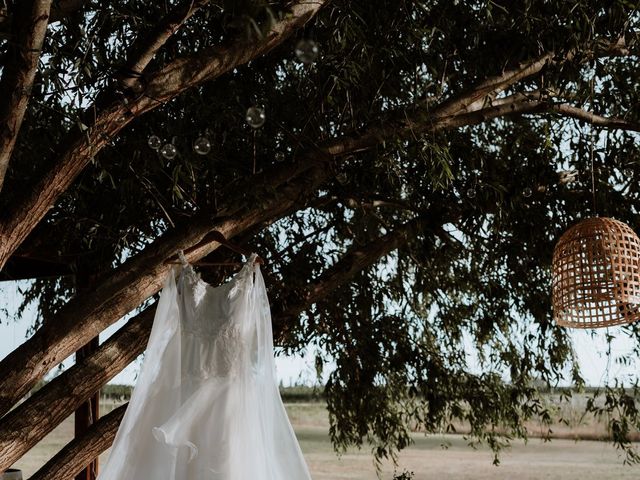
(596,275)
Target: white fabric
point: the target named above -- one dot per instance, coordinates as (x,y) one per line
(206,404)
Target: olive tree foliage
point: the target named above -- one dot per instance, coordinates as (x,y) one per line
(452,116)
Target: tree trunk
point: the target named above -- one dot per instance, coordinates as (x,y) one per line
(89,412)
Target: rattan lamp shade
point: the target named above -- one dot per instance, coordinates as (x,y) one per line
(596,275)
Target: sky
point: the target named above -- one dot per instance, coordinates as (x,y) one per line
(598,366)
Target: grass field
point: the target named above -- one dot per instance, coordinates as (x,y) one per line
(560,459)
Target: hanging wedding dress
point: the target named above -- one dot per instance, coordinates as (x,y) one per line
(206,404)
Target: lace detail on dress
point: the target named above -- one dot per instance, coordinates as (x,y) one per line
(228,346)
(222,351)
(196,285)
(235,284)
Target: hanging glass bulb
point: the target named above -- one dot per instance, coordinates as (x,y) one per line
(527,192)
(154,142)
(202,145)
(471,193)
(256,117)
(342,178)
(169,151)
(279,157)
(307,51)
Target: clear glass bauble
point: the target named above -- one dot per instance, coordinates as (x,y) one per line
(527,192)
(154,142)
(202,145)
(256,117)
(169,151)
(307,51)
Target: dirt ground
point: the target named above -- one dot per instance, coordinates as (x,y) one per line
(559,459)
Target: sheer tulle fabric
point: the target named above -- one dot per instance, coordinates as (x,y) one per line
(206,404)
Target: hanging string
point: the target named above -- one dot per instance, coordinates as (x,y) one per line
(591,141)
(254,152)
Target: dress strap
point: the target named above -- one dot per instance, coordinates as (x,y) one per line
(185,270)
(252,259)
(182,258)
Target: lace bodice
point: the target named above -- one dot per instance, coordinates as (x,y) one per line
(215,340)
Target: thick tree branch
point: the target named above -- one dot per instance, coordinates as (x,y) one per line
(78,453)
(211,63)
(32,420)
(59,10)
(24,213)
(145,48)
(415,122)
(19,69)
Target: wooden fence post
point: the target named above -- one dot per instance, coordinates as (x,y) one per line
(89,412)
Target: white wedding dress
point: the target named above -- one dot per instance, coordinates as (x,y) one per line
(206,404)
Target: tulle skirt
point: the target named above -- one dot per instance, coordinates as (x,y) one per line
(232,429)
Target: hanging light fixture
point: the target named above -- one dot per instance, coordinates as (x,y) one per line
(596,275)
(596,268)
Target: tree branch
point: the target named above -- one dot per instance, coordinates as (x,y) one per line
(354,261)
(481,94)
(211,63)
(415,122)
(59,10)
(567,110)
(24,213)
(538,103)
(19,70)
(35,418)
(81,451)
(476,97)
(145,48)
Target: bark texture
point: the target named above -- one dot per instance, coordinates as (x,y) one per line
(19,70)
(81,451)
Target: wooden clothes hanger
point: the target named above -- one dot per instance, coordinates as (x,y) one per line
(222,240)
